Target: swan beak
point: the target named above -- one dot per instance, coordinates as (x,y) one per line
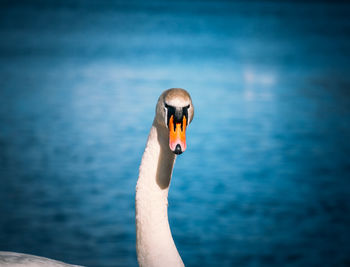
(177,135)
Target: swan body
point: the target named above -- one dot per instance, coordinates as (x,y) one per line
(12,259)
(154,243)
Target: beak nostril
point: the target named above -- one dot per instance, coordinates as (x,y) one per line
(178,150)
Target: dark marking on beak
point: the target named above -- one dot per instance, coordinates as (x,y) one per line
(178,114)
(178,150)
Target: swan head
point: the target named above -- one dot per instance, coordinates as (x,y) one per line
(175,112)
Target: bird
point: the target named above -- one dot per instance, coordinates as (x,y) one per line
(155,245)
(13,259)
(167,138)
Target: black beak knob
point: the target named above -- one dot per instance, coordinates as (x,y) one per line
(178,150)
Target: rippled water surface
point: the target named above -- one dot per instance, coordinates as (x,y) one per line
(265,180)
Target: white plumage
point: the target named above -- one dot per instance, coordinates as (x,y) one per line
(155,244)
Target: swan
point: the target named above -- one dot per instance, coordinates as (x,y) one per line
(13,259)
(167,138)
(155,246)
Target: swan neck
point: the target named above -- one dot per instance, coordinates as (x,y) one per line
(155,245)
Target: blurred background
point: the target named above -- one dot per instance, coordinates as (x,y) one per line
(265,180)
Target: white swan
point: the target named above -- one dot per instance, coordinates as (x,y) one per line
(155,245)
(13,259)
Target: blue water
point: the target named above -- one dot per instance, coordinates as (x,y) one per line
(265,180)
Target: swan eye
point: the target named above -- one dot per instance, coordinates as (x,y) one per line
(170,110)
(185,113)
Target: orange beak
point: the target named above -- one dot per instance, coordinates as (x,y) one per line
(177,135)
